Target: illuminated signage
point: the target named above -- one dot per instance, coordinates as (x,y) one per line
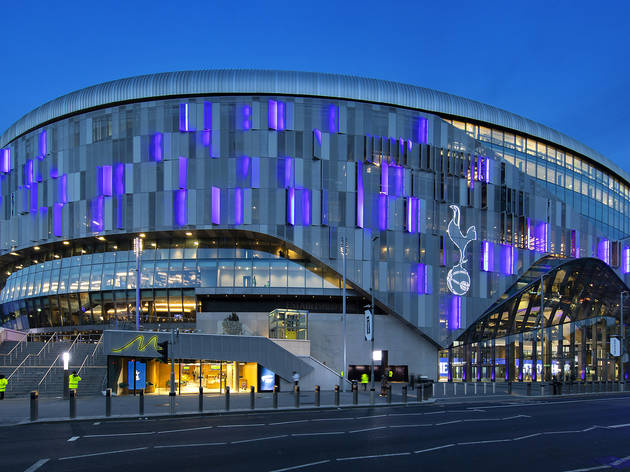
(458,279)
(140,375)
(141,345)
(267,379)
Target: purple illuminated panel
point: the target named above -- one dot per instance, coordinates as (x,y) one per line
(119,179)
(603,250)
(97,215)
(384,178)
(455,313)
(119,212)
(183,172)
(216,205)
(33,205)
(625,265)
(246,117)
(411,218)
(184,124)
(288,174)
(421,279)
(207,115)
(307,207)
(333,118)
(5,160)
(399,177)
(43,150)
(282,110)
(291,206)
(243,166)
(156,148)
(57,218)
(28,172)
(318,136)
(54,173)
(272,114)
(575,243)
(487,256)
(508,257)
(383,215)
(107,181)
(238,206)
(179,207)
(422,130)
(542,231)
(62,189)
(360,195)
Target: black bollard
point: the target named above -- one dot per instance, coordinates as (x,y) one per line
(420,393)
(108,402)
(252,398)
(529,389)
(275,396)
(404,394)
(141,402)
(509,391)
(355,393)
(336,395)
(200,407)
(73,403)
(296,396)
(171,401)
(34,405)
(227,398)
(317,402)
(389,394)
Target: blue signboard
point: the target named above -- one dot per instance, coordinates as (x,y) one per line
(267,379)
(141,375)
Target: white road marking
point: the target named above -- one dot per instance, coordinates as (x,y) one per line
(117,434)
(333,419)
(410,425)
(373,457)
(448,422)
(37,465)
(191,445)
(103,453)
(615,426)
(96,423)
(483,442)
(73,438)
(536,403)
(259,439)
(435,412)
(485,419)
(289,422)
(185,429)
(599,467)
(620,461)
(367,429)
(528,436)
(369,416)
(240,425)
(301,466)
(433,448)
(318,434)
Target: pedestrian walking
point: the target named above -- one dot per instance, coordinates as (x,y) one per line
(73,381)
(364,381)
(3,386)
(296,378)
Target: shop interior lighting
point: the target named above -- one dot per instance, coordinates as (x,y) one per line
(37,248)
(188,233)
(66,243)
(100,238)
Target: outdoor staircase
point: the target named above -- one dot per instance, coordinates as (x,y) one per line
(37,365)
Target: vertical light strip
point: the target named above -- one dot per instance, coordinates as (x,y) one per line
(43,149)
(107,181)
(179,207)
(307,206)
(420,279)
(97,214)
(360,194)
(626,260)
(238,206)
(333,118)
(28,172)
(291,206)
(156,148)
(216,205)
(57,219)
(119,179)
(34,193)
(5,160)
(184,124)
(281,116)
(62,189)
(382,212)
(207,115)
(183,172)
(384,178)
(272,114)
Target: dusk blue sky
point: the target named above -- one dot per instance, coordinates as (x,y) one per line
(564,64)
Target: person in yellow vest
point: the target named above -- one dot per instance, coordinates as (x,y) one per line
(364,380)
(3,386)
(390,374)
(73,381)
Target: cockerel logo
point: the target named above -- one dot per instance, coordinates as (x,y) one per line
(458,279)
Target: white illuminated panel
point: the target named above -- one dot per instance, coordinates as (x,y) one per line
(458,279)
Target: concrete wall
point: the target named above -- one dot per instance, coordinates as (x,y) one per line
(325,332)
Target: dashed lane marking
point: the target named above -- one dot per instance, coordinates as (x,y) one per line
(184,430)
(37,465)
(367,429)
(144,433)
(301,466)
(191,445)
(329,433)
(433,448)
(375,456)
(259,439)
(240,425)
(73,438)
(103,453)
(289,422)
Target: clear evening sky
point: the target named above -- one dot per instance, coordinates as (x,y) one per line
(562,63)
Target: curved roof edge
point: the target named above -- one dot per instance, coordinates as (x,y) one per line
(206,82)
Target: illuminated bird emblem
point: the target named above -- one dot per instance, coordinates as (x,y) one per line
(458,279)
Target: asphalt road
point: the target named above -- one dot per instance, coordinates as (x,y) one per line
(567,434)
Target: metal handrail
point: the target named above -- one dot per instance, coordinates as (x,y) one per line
(48,371)
(18,367)
(46,344)
(19,344)
(90,356)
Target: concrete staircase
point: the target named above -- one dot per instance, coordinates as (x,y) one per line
(39,366)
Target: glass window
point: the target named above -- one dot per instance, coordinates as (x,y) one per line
(208,273)
(64,280)
(226,274)
(190,273)
(147,270)
(108,276)
(175,272)
(243,273)
(120,280)
(73,282)
(296,275)
(260,273)
(84,283)
(161,274)
(96,276)
(278,273)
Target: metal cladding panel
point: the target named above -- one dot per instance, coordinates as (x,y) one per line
(207,346)
(207,82)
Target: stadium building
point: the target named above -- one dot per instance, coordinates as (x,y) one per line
(236,203)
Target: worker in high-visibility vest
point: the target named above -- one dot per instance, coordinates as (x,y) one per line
(364,380)
(73,381)
(3,386)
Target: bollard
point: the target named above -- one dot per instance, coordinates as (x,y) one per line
(509,391)
(73,403)
(275,396)
(317,398)
(200,407)
(433,389)
(485,390)
(542,389)
(34,405)
(389,394)
(475,388)
(141,402)
(590,386)
(252,398)
(296,396)
(372,394)
(227,398)
(621,386)
(529,389)
(171,399)
(420,393)
(444,385)
(336,395)
(404,394)
(465,388)
(355,393)
(108,402)
(494,388)
(454,388)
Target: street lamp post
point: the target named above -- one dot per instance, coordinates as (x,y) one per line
(344,371)
(372,288)
(540,320)
(137,249)
(622,328)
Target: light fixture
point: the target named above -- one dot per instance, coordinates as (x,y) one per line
(66,360)
(100,238)
(14,253)
(142,235)
(56,256)
(188,233)
(377,355)
(154,244)
(196,243)
(66,242)
(115,247)
(37,248)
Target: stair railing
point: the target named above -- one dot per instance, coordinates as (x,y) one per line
(18,347)
(91,356)
(45,377)
(10,385)
(46,345)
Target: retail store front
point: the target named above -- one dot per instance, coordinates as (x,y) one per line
(141,360)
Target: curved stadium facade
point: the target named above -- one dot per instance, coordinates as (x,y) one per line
(251,190)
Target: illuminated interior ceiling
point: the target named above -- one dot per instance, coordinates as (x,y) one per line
(574,290)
